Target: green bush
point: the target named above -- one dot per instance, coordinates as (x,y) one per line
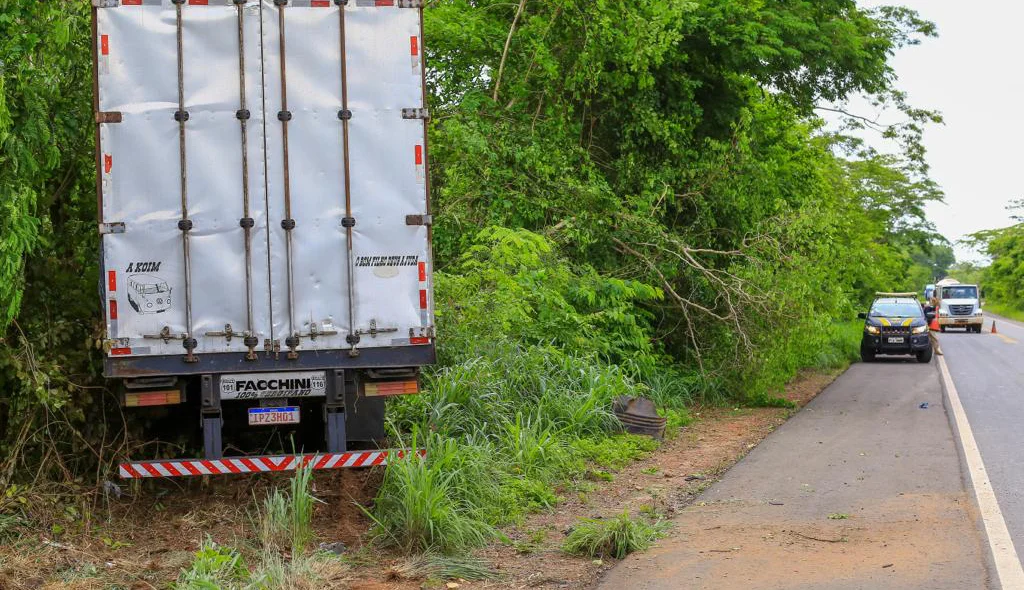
(615,452)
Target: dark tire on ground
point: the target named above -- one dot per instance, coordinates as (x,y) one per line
(925,356)
(866,355)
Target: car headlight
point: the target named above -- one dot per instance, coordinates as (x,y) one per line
(872,330)
(919,330)
(943,312)
(979,312)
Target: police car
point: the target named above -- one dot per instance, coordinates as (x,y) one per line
(896,325)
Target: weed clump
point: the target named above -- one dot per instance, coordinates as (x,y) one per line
(616,537)
(214,566)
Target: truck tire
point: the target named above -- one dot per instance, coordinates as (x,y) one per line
(942,329)
(925,356)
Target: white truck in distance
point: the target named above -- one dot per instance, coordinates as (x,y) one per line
(958,305)
(265,225)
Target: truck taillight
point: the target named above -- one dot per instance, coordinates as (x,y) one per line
(152,398)
(386,388)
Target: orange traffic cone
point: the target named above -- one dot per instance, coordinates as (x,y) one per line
(934,326)
(994,331)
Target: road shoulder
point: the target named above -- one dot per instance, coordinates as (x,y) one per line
(862,489)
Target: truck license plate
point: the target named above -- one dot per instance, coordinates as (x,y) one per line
(895,340)
(273,416)
(961,321)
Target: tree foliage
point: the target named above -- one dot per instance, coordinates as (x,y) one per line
(645,183)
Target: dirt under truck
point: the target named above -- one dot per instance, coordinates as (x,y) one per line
(265,226)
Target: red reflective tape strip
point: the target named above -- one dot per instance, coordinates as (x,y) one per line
(385,3)
(152,470)
(198,2)
(108,163)
(131,3)
(419,155)
(111,280)
(171,469)
(320,3)
(379,459)
(212,467)
(230,466)
(120,351)
(423,271)
(191,468)
(414,45)
(131,470)
(249,465)
(274,466)
(105,44)
(419,341)
(113,309)
(423,298)
(360,459)
(323,461)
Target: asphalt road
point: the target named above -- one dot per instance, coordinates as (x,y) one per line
(861,489)
(988,370)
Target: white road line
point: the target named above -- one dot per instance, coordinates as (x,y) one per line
(1008,567)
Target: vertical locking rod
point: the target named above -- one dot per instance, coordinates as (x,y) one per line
(346,115)
(292,341)
(250,339)
(185,224)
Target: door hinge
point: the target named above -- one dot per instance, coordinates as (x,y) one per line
(116,227)
(419,219)
(109,117)
(416,114)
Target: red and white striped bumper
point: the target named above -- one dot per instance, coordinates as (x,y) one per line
(261,464)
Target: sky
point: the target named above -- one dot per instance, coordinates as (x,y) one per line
(972,74)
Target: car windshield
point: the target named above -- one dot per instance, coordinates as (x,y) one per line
(151,289)
(960,292)
(896,309)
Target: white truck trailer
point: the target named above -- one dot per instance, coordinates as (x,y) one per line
(265,223)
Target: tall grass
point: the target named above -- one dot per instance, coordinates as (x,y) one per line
(421,506)
(500,432)
(284,520)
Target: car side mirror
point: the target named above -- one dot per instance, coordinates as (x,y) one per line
(862,316)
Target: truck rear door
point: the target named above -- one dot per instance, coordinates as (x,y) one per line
(263,176)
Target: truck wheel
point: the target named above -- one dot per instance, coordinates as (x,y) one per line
(925,356)
(942,329)
(867,355)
